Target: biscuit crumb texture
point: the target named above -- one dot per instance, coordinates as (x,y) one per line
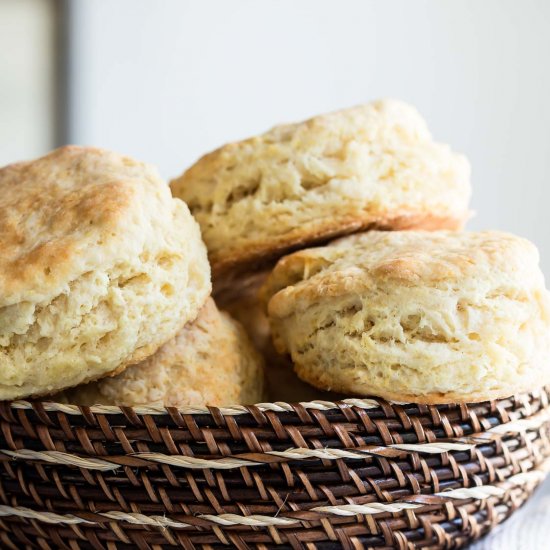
(211,361)
(100,267)
(413,316)
(371,166)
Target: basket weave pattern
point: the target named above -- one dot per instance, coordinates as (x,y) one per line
(352,474)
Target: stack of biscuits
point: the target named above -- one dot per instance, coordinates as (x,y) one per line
(105,290)
(337,242)
(404,305)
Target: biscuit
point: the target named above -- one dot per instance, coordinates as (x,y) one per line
(210,362)
(100,267)
(427,317)
(241,301)
(243,304)
(372,166)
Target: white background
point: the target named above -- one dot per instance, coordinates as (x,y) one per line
(167,81)
(27,92)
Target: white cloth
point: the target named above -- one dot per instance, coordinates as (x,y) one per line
(527,529)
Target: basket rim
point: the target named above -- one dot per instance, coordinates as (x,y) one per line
(366,403)
(297,450)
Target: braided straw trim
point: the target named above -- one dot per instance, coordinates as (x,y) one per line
(534,422)
(278,406)
(432,448)
(232,462)
(58,457)
(472,493)
(300,453)
(480,492)
(229,463)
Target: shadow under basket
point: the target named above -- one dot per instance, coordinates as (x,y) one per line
(357,473)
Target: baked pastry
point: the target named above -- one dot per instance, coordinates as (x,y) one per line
(210,362)
(372,166)
(427,317)
(100,267)
(242,302)
(282,383)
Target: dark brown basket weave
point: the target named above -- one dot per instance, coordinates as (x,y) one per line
(358,473)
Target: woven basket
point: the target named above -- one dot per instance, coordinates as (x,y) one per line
(358,473)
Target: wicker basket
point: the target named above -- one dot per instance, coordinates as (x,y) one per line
(358,473)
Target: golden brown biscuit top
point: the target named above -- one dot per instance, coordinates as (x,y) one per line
(361,262)
(238,168)
(371,166)
(71,211)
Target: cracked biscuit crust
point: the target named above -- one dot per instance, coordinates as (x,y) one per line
(428,317)
(373,166)
(100,267)
(211,361)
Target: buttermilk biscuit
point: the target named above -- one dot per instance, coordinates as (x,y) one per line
(372,166)
(282,382)
(242,302)
(210,362)
(99,267)
(428,317)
